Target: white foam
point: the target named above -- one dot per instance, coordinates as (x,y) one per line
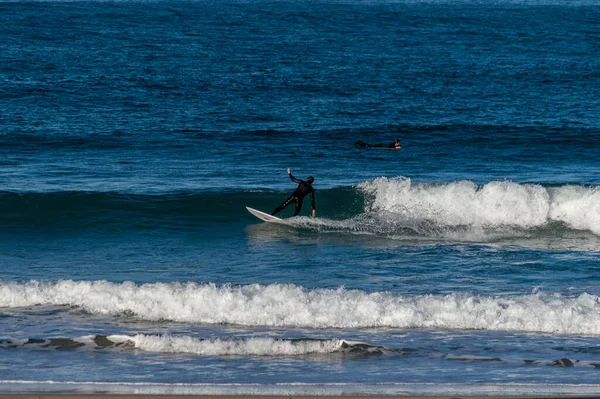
(495,205)
(287,305)
(577,206)
(221,347)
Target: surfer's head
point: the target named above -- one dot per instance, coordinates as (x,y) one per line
(397,143)
(310,179)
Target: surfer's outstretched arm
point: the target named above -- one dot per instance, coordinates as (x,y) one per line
(312,202)
(293,178)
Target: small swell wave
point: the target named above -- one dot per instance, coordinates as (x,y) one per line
(288,305)
(265,347)
(205,347)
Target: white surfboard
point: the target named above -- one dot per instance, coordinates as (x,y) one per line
(265,217)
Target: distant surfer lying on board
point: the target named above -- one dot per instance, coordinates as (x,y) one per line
(304,188)
(395,145)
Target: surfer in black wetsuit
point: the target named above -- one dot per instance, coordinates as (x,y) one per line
(395,145)
(304,188)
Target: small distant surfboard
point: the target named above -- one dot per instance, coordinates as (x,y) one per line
(265,217)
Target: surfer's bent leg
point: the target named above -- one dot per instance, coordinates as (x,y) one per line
(284,205)
(298,206)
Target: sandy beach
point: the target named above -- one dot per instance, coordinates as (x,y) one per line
(100,396)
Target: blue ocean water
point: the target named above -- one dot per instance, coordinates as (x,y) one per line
(133,134)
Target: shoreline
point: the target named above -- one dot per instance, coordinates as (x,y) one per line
(432,390)
(137,396)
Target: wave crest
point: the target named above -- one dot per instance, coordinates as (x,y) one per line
(220,346)
(491,206)
(288,305)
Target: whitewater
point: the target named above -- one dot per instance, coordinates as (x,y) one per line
(491,205)
(280,305)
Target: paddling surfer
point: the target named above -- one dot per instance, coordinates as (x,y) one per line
(304,188)
(395,145)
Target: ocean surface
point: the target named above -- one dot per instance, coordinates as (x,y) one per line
(133,134)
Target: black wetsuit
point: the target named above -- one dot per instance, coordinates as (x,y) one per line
(304,188)
(363,144)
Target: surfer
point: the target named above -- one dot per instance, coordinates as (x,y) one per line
(395,145)
(304,188)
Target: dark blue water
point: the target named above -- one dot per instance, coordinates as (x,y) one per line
(133,134)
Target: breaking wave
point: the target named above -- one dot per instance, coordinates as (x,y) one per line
(495,205)
(390,207)
(260,346)
(288,305)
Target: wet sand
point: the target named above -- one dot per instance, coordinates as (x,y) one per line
(102,396)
